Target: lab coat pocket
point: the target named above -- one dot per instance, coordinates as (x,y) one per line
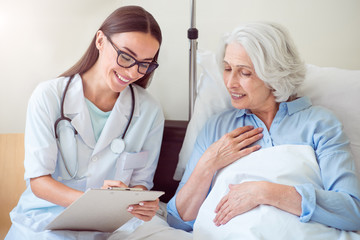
(127,163)
(135,160)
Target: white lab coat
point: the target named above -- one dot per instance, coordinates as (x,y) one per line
(135,166)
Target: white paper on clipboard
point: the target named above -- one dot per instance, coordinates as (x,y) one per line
(101,210)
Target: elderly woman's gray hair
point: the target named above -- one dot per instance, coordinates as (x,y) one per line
(274,56)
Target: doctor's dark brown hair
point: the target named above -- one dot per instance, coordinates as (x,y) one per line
(124,19)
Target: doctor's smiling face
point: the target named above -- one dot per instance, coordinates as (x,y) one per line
(125,57)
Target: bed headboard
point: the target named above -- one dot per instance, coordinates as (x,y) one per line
(174,133)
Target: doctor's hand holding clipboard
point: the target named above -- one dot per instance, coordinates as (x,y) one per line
(145,210)
(93,127)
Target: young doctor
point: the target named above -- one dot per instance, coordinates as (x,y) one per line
(94,127)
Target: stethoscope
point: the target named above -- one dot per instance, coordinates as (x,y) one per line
(117,145)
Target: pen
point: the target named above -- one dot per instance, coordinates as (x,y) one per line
(125,189)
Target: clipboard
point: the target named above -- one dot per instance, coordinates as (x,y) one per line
(103,210)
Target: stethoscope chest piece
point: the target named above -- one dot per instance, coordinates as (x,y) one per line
(117,145)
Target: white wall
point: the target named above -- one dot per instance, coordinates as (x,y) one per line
(42,38)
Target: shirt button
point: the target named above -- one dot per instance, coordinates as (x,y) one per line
(94,159)
(60,178)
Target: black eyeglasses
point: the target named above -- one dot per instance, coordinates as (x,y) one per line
(126,61)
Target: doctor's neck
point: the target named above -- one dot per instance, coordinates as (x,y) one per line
(98,92)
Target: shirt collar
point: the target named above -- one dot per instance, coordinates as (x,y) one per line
(297,105)
(242,112)
(292,107)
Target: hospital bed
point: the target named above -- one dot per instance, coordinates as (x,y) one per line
(334,88)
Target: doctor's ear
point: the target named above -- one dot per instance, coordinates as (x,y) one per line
(100,39)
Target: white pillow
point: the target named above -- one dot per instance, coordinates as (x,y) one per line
(338,90)
(334,88)
(212,97)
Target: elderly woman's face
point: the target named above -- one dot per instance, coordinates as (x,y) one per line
(246,89)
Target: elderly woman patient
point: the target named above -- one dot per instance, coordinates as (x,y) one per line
(262,72)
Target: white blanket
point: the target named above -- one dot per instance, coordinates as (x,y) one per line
(286,164)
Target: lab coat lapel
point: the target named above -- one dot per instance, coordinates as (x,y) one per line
(118,119)
(75,107)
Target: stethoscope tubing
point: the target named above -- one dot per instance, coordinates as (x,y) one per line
(63,117)
(132,111)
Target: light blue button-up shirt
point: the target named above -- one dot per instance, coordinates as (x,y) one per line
(299,123)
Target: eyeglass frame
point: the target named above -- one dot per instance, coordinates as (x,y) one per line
(152,65)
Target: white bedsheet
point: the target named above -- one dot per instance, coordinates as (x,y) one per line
(286,164)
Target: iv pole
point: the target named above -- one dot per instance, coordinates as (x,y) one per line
(192,35)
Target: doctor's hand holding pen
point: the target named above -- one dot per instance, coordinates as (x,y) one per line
(145,210)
